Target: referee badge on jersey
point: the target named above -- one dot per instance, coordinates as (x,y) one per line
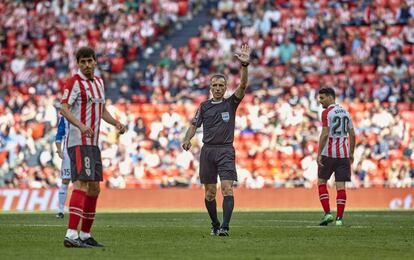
(225,116)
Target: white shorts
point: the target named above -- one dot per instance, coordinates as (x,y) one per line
(65,169)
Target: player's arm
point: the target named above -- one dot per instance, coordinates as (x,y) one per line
(323,138)
(244,57)
(195,123)
(59,136)
(351,133)
(107,117)
(65,111)
(188,136)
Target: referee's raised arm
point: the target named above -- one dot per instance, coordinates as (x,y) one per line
(243,55)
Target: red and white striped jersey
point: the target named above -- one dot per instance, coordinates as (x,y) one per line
(86,99)
(339,122)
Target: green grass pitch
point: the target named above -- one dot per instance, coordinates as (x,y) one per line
(185,235)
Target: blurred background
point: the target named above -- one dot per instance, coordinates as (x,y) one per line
(156,57)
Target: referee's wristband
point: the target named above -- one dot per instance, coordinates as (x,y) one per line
(245,64)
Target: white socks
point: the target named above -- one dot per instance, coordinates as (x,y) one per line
(72,234)
(63,191)
(84,236)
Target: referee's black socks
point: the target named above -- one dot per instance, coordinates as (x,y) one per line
(211,206)
(228,205)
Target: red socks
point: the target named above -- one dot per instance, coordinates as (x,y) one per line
(89,210)
(324,197)
(340,203)
(76,208)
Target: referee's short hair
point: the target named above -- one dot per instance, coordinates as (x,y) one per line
(217,76)
(327,91)
(84,52)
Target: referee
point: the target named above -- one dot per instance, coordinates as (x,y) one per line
(217,115)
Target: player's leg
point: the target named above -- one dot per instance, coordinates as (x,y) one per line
(77,199)
(228,205)
(65,175)
(89,211)
(208,177)
(91,198)
(226,166)
(324,173)
(340,202)
(76,203)
(211,206)
(63,191)
(342,175)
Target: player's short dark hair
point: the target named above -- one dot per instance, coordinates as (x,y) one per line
(219,75)
(327,91)
(85,52)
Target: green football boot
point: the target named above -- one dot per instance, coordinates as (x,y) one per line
(339,222)
(328,218)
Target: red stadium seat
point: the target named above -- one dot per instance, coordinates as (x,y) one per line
(132,53)
(117,64)
(347,58)
(40,43)
(11,42)
(380,3)
(193,44)
(364,30)
(354,68)
(182,8)
(94,34)
(368,68)
(358,79)
(404,107)
(284,14)
(394,3)
(406,49)
(352,30)
(370,78)
(299,12)
(312,79)
(296,3)
(43,53)
(394,30)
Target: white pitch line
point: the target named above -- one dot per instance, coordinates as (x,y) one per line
(31,225)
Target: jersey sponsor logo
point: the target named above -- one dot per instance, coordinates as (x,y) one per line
(225,116)
(65,94)
(96,100)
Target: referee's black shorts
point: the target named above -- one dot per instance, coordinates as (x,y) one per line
(85,163)
(217,160)
(341,167)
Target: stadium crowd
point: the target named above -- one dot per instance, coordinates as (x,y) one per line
(364,49)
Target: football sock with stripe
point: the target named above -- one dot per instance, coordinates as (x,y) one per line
(324,197)
(89,210)
(340,203)
(76,205)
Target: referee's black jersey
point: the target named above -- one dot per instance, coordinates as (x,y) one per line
(218,120)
